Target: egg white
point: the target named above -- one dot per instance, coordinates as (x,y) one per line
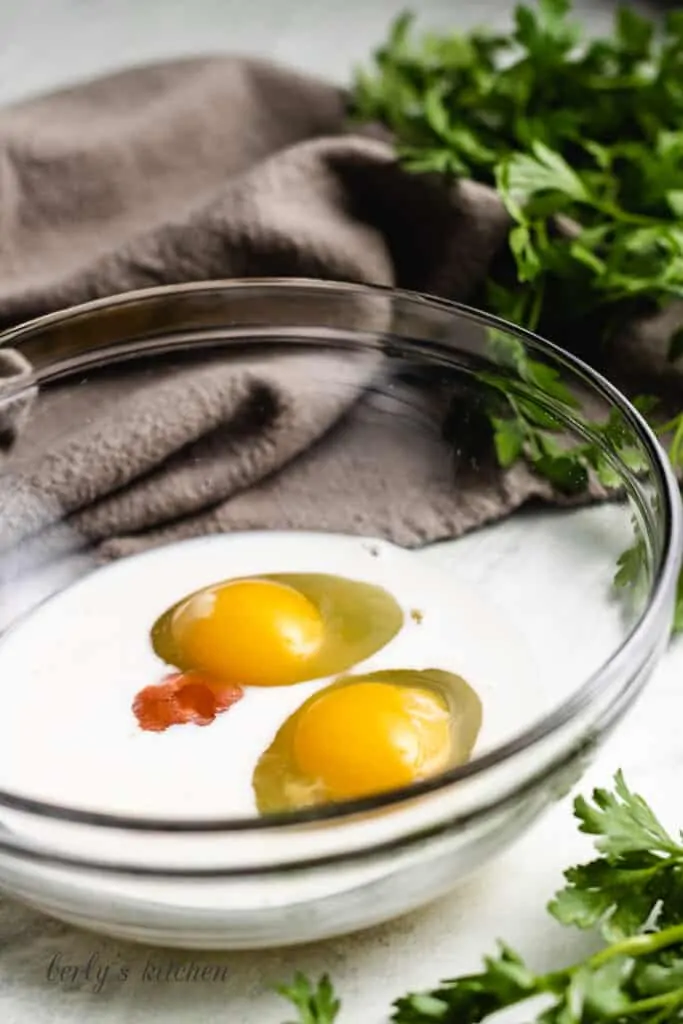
(70,670)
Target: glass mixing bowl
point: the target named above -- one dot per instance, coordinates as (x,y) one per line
(386,435)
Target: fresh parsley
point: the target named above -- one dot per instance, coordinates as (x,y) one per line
(583,140)
(632,892)
(315,1003)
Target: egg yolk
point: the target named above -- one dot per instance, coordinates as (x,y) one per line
(367,737)
(248,632)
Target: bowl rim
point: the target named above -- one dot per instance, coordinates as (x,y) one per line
(638,639)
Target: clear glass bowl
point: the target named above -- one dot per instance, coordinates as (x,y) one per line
(419,379)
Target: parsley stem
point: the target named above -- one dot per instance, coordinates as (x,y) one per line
(666,428)
(665,1016)
(676,444)
(639,945)
(667,1000)
(534,316)
(625,217)
(633,946)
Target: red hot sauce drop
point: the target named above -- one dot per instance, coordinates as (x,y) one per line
(182,698)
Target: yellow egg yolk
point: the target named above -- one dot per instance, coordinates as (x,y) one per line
(368,737)
(248,632)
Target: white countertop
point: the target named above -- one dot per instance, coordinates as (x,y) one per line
(50,42)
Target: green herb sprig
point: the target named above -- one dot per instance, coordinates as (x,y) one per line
(632,892)
(590,132)
(316,1003)
(583,140)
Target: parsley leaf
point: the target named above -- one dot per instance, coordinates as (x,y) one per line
(523,176)
(509,440)
(623,822)
(316,1003)
(582,139)
(631,884)
(504,981)
(633,891)
(633,570)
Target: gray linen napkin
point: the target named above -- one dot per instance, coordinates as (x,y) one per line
(218,168)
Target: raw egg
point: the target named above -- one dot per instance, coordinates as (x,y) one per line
(368,734)
(277,630)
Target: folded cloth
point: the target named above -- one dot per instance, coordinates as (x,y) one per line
(212,168)
(219,168)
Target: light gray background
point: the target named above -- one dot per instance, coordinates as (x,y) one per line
(46,43)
